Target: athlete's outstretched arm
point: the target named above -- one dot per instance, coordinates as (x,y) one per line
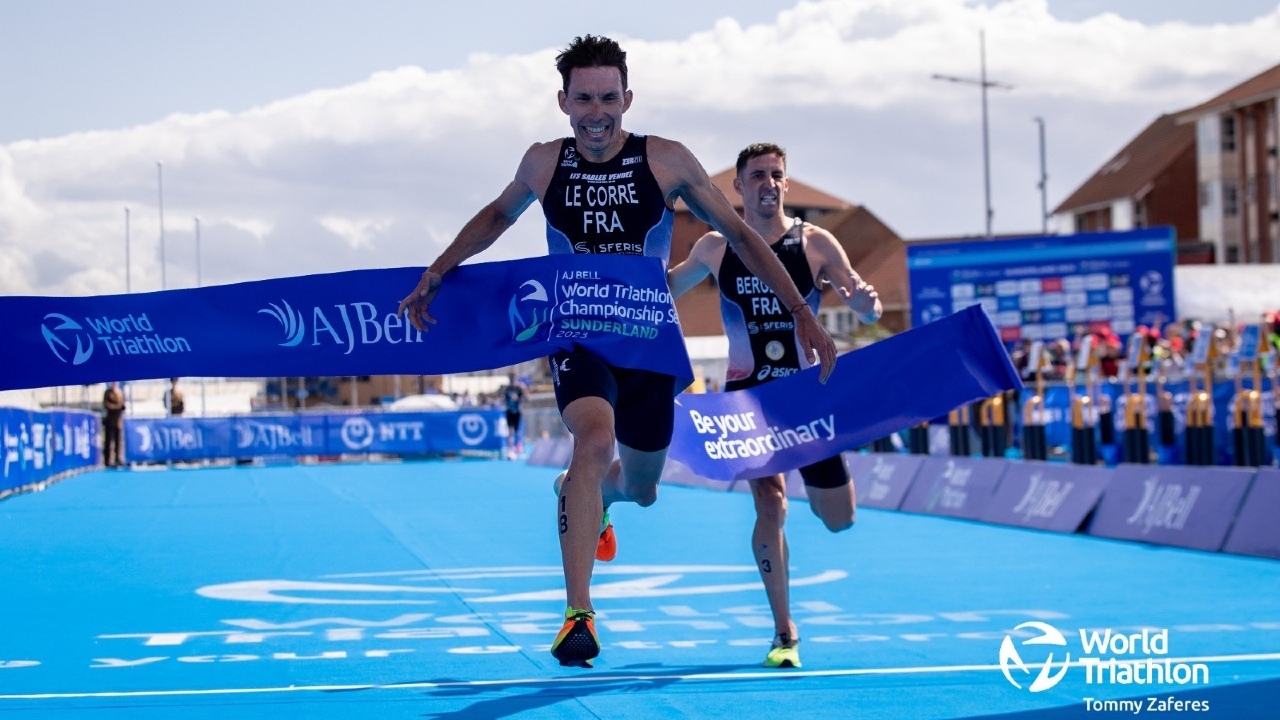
(859,295)
(683,277)
(475,237)
(690,181)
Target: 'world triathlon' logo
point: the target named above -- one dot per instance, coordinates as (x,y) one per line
(528,311)
(1009,656)
(67,327)
(294,326)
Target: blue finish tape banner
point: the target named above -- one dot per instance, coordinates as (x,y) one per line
(183,439)
(39,445)
(886,387)
(490,315)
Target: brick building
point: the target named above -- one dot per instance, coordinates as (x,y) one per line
(876,252)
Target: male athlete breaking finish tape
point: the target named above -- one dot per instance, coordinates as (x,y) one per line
(637,179)
(761,348)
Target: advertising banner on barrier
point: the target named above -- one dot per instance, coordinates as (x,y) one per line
(488,315)
(1040,288)
(883,388)
(1182,506)
(954,486)
(1047,496)
(881,480)
(1256,531)
(409,433)
(185,439)
(38,445)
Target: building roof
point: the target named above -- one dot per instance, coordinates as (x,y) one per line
(799,195)
(1265,84)
(1133,170)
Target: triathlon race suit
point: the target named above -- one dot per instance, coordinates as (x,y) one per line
(612,208)
(762,332)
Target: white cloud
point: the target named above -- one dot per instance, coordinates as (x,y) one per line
(383,172)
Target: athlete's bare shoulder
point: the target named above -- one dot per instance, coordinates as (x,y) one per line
(538,166)
(819,238)
(709,250)
(668,154)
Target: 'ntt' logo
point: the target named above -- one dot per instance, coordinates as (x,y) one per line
(357,433)
(472,429)
(538,308)
(1049,636)
(294,327)
(84,344)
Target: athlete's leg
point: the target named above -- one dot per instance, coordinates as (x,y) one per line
(830,493)
(634,476)
(580,507)
(645,416)
(769,546)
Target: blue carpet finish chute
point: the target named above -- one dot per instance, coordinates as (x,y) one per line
(490,315)
(886,387)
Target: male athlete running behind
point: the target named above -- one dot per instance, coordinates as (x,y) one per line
(761,347)
(605,190)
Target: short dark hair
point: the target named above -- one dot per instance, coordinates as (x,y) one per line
(591,51)
(758,149)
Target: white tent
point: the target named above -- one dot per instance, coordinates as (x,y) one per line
(1226,293)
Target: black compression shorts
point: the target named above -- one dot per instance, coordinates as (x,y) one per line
(643,401)
(824,474)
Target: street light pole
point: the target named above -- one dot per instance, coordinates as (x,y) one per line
(128,281)
(160,187)
(199,283)
(983,83)
(1044,182)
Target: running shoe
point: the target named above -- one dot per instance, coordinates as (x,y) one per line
(607,545)
(785,653)
(576,645)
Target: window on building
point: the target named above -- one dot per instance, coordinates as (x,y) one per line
(1139,214)
(1233,253)
(1229,133)
(1230,198)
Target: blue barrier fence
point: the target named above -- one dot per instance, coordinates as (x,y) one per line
(40,445)
(182,439)
(1204,508)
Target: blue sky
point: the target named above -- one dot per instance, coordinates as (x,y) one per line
(283,125)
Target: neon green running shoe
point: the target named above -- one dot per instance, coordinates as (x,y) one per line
(785,653)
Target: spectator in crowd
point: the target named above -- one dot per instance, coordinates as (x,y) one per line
(174,403)
(112,425)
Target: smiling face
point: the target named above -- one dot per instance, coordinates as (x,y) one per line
(762,185)
(595,102)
